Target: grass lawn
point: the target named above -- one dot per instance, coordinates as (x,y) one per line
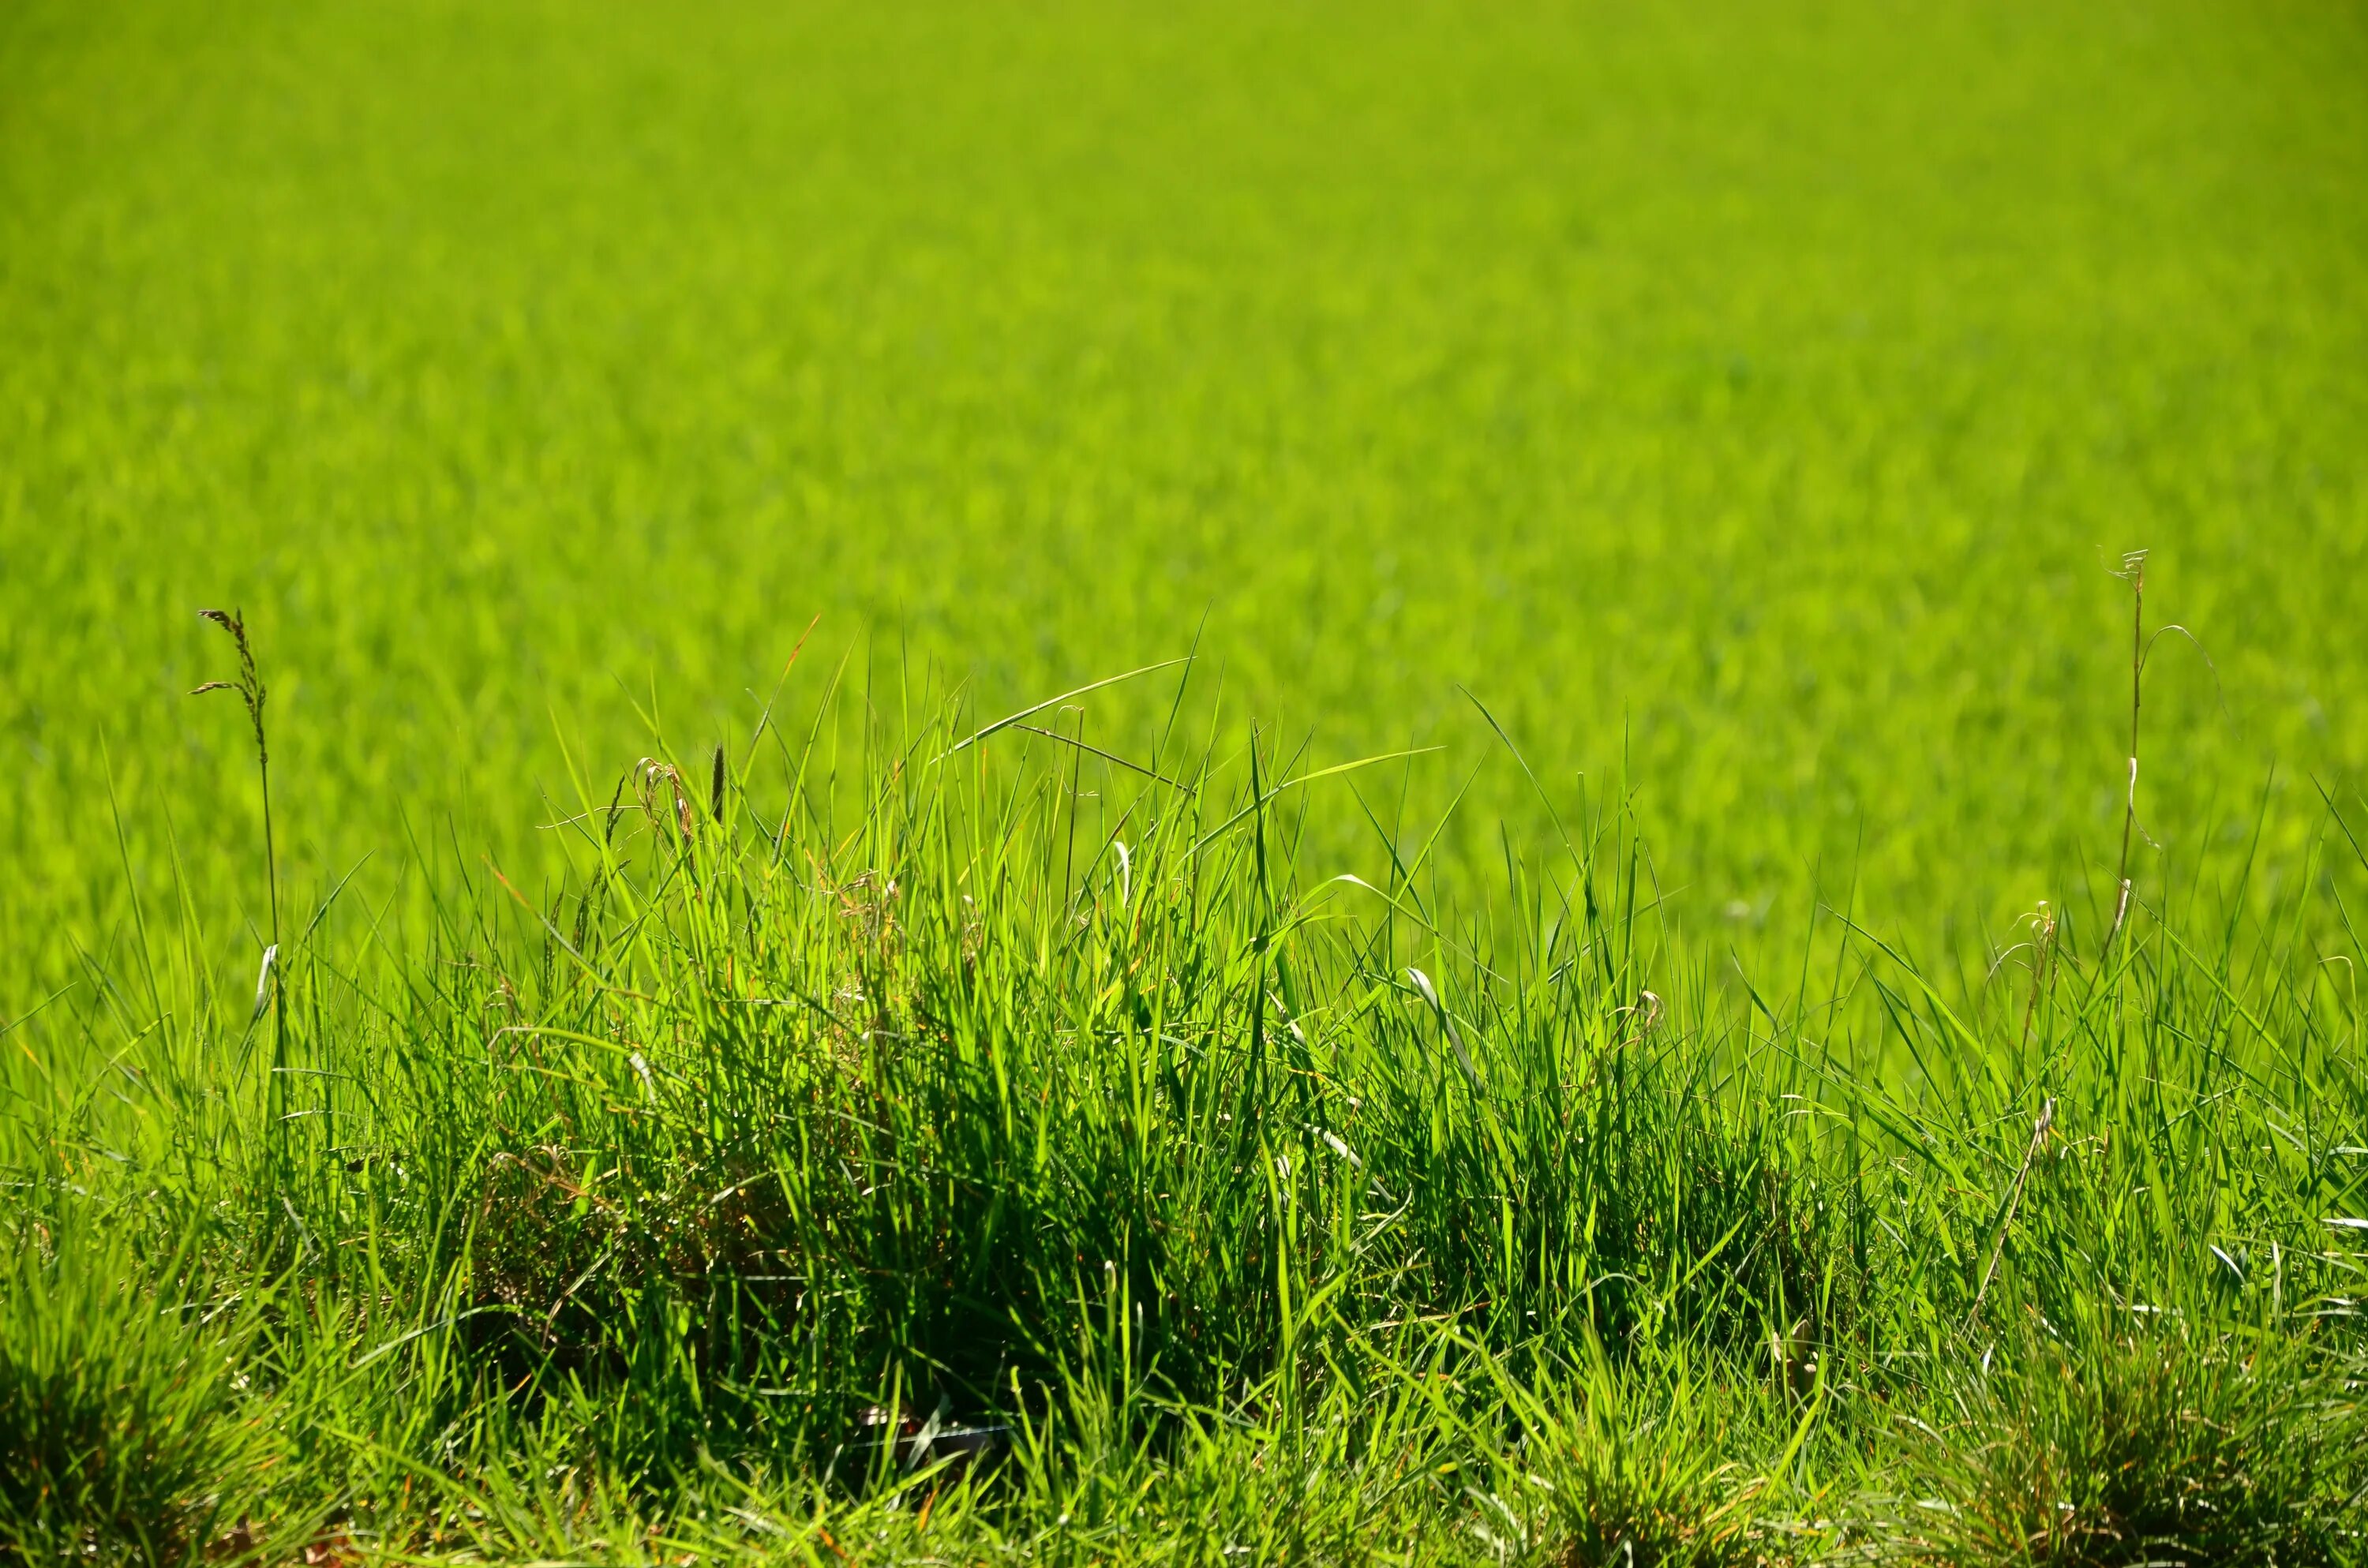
(1578,1006)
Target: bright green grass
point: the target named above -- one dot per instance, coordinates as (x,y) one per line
(1744,408)
(1757,398)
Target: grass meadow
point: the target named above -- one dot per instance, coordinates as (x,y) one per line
(1209,784)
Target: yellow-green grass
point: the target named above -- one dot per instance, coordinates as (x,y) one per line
(1753,399)
(1691,449)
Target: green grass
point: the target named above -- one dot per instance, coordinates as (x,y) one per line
(1680,455)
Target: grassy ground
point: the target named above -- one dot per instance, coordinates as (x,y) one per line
(1682,455)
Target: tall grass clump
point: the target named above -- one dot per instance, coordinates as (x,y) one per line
(2141,1445)
(1022,1137)
(123,1410)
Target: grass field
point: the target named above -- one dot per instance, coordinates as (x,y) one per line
(1580,1014)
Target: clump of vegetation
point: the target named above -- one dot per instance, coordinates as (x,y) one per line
(1064,1165)
(1723,1040)
(124,1415)
(1641,1470)
(2146,1447)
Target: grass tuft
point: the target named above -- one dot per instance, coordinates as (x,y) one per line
(126,1421)
(2144,1448)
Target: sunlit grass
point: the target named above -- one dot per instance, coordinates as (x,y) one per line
(1086,1127)
(1555,985)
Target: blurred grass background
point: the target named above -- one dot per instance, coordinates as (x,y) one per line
(1746,400)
